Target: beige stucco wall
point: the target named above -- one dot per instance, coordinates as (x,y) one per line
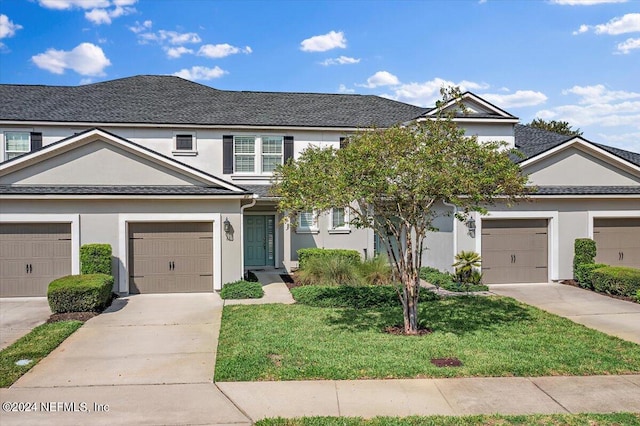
(573,166)
(101,222)
(97,163)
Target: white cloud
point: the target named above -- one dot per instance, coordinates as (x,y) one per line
(599,94)
(140,27)
(628,141)
(585,2)
(341,60)
(344,89)
(381,78)
(171,37)
(200,73)
(629,23)
(520,98)
(428,92)
(71,4)
(221,50)
(86,81)
(322,43)
(85,59)
(176,52)
(628,45)
(98,16)
(7,28)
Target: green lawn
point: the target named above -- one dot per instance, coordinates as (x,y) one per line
(492,336)
(615,419)
(34,346)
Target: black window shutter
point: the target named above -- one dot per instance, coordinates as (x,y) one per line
(227,154)
(343,142)
(288,148)
(184,142)
(36,141)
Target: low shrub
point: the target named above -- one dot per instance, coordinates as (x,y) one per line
(616,280)
(583,274)
(363,297)
(584,251)
(309,253)
(376,271)
(330,270)
(638,296)
(242,290)
(95,259)
(80,293)
(437,278)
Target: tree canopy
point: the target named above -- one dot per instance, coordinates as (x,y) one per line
(392,179)
(561,127)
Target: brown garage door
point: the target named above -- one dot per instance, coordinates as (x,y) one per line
(514,251)
(31,256)
(617,241)
(172,257)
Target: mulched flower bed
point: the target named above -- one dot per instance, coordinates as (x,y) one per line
(446,362)
(574,283)
(68,316)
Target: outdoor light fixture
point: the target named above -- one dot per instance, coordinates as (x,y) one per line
(471,225)
(228,229)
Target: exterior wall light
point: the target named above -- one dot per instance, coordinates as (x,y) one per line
(471,225)
(228,229)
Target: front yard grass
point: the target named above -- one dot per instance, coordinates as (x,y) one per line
(614,419)
(492,336)
(33,346)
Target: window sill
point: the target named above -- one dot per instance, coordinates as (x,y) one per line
(307,231)
(340,231)
(252,176)
(185,153)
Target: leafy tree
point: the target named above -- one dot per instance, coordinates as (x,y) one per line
(392,180)
(561,127)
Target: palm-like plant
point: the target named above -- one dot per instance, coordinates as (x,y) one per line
(466,262)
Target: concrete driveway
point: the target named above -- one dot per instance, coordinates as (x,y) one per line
(19,315)
(148,359)
(603,313)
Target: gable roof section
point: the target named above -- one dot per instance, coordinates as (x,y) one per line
(478,109)
(152,99)
(84,138)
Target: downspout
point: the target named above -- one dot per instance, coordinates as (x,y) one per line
(455,229)
(246,206)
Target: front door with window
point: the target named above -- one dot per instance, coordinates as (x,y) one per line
(259,243)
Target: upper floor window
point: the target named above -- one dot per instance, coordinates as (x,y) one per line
(184,144)
(257,154)
(20,142)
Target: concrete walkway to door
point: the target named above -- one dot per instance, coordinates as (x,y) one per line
(148,359)
(612,316)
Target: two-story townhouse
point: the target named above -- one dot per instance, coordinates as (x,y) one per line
(175,176)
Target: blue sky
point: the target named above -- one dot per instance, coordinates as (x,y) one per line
(571,60)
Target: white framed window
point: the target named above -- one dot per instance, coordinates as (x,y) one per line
(307,222)
(257,154)
(338,220)
(184,143)
(16,143)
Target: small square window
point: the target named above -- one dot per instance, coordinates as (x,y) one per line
(184,142)
(339,221)
(16,143)
(307,222)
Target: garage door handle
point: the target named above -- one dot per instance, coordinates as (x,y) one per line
(27,267)
(30,268)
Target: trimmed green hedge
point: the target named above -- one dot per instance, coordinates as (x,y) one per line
(242,290)
(616,280)
(95,259)
(80,293)
(584,251)
(363,297)
(584,274)
(307,253)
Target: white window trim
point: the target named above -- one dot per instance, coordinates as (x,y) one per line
(186,152)
(344,229)
(258,155)
(4,141)
(313,229)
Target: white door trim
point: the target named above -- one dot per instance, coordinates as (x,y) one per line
(553,236)
(73,219)
(123,240)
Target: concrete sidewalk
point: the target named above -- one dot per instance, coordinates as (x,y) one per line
(612,316)
(19,315)
(275,290)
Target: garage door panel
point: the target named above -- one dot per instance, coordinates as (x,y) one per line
(617,241)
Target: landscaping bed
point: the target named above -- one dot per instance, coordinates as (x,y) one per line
(491,336)
(583,419)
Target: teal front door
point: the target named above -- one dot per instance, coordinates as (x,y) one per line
(259,244)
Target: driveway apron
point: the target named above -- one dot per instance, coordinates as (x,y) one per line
(19,315)
(147,359)
(612,316)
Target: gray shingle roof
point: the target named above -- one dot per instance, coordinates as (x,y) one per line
(173,100)
(531,142)
(587,190)
(114,190)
